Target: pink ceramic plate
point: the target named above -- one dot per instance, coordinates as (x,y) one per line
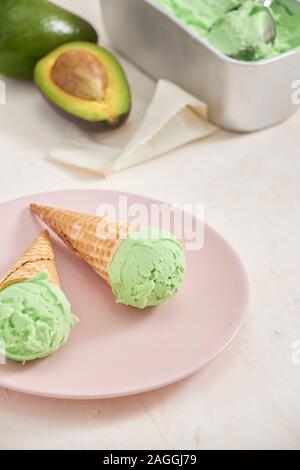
(116,350)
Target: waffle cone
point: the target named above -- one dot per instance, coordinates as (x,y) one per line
(39,257)
(94,239)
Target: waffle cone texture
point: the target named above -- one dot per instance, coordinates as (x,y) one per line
(94,239)
(38,258)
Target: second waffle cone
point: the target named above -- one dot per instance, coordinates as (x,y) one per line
(38,258)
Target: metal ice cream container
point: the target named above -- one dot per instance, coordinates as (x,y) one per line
(241,96)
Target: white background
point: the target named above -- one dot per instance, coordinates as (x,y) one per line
(249,397)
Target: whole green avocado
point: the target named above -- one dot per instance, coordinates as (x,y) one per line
(30,29)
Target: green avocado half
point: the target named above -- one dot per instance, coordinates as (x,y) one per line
(87,83)
(30,29)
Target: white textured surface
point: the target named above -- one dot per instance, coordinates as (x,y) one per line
(249,396)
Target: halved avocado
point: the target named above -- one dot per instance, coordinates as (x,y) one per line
(87,83)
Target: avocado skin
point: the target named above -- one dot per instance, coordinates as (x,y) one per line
(97,126)
(30,29)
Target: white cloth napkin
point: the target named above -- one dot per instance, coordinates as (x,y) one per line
(172,119)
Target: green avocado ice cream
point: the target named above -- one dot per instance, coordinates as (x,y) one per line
(200,15)
(288,29)
(240,33)
(235,27)
(35,319)
(147,269)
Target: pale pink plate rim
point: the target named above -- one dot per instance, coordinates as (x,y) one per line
(93,394)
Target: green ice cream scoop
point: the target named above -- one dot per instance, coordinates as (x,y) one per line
(147,269)
(288,27)
(35,319)
(200,15)
(240,33)
(239,28)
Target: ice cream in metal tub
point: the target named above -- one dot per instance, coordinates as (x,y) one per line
(241,96)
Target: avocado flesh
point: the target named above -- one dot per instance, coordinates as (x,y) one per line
(30,29)
(98,98)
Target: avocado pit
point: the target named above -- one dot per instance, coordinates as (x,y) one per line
(80,74)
